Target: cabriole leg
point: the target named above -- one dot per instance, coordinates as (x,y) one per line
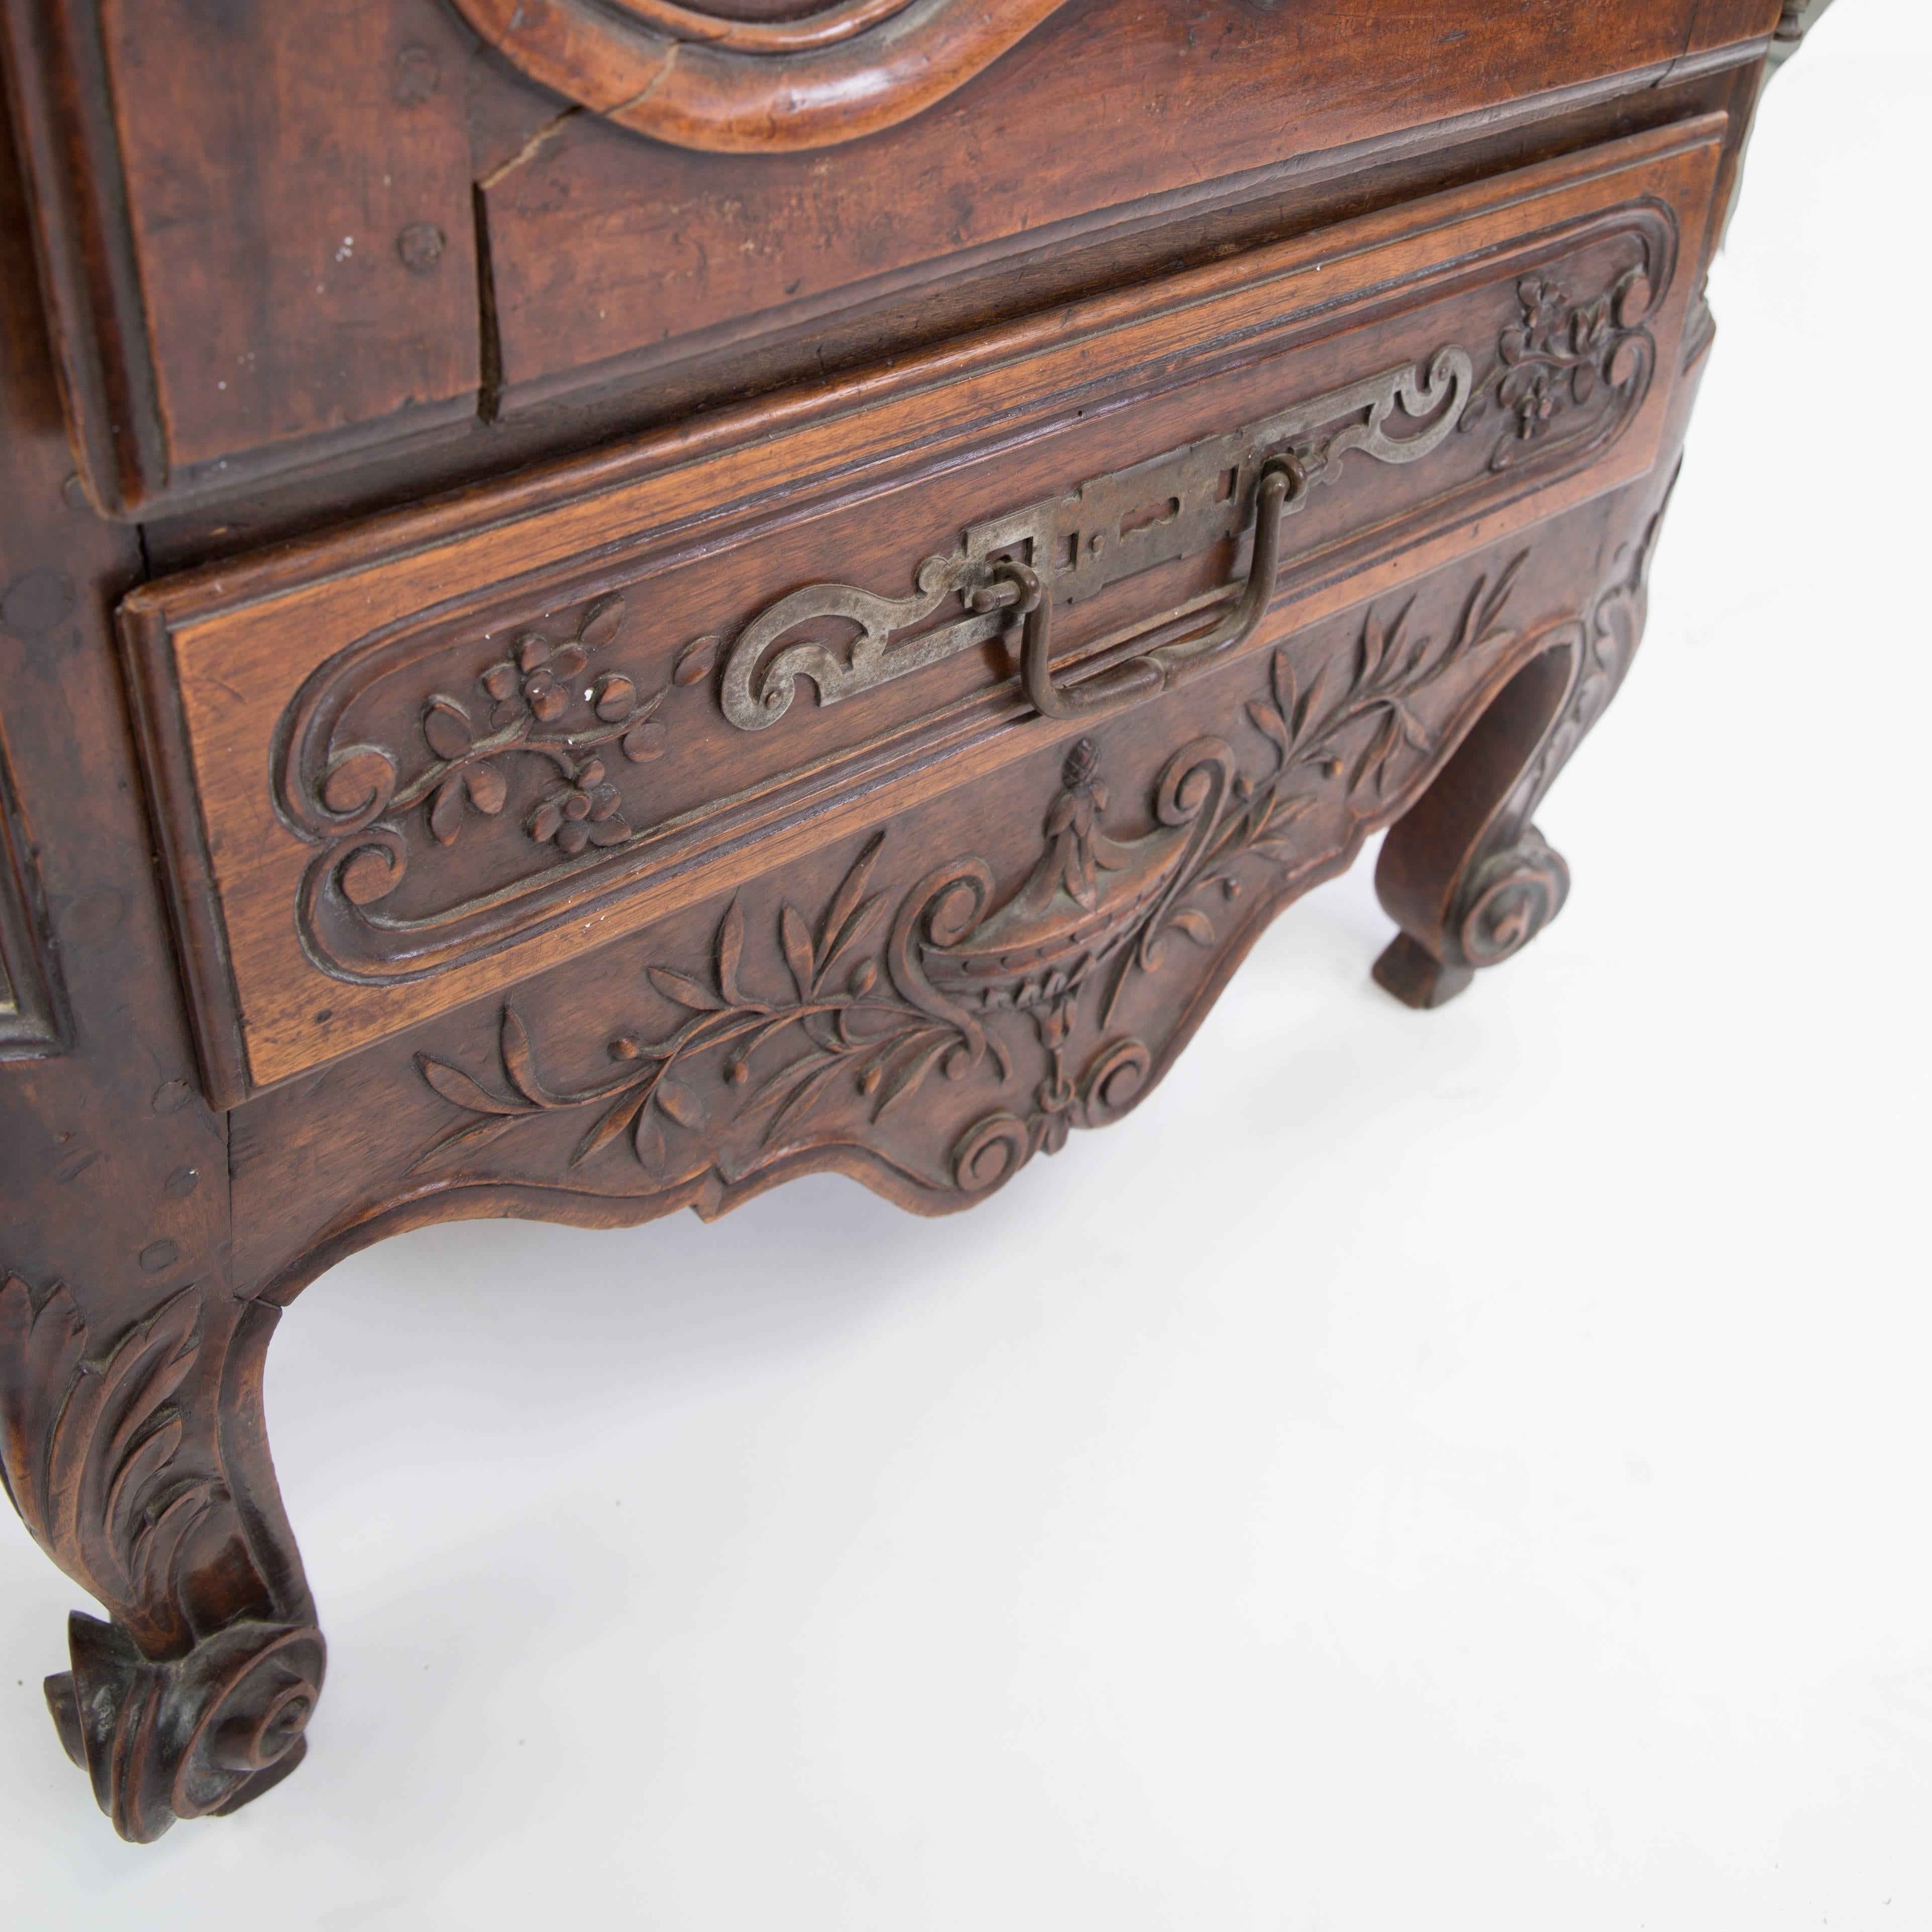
(135,1453)
(1464,873)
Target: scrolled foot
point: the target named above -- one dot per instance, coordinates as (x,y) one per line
(1510,898)
(1464,873)
(1506,899)
(194,1737)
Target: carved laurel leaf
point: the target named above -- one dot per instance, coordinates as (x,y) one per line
(1375,753)
(611,1123)
(906,1079)
(683,991)
(840,925)
(473,1134)
(647,1141)
(1268,720)
(457,1086)
(823,1067)
(796,939)
(1305,707)
(730,950)
(1281,680)
(1369,651)
(519,1061)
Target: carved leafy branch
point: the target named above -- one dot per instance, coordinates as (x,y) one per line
(837,1015)
(953,960)
(532,702)
(1311,731)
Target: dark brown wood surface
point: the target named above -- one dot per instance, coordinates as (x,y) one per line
(264,260)
(437,860)
(870,486)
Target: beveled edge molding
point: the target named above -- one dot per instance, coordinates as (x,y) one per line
(697,80)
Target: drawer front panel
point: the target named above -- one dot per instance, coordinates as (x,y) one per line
(421,761)
(615,258)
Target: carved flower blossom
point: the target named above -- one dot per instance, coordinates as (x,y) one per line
(1535,402)
(1543,305)
(537,673)
(580,812)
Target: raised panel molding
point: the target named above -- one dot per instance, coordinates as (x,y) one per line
(699,78)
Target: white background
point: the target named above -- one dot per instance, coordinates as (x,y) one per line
(1421,1472)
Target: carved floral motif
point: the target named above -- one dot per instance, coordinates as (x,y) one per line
(1593,356)
(532,704)
(531,747)
(755,1054)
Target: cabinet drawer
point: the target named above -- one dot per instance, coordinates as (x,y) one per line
(415,761)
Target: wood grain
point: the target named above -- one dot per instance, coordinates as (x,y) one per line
(1105,387)
(413,866)
(616,259)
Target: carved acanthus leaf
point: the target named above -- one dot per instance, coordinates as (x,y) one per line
(88,1443)
(170,1720)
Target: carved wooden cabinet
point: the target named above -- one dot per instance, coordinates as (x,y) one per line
(606,601)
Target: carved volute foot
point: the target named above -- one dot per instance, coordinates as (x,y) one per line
(195,1737)
(1509,898)
(1505,901)
(134,1452)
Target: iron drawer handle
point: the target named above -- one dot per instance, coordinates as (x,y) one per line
(1283,481)
(1177,505)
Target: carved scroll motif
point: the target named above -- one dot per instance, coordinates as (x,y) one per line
(851,1006)
(1082,542)
(698,79)
(459,789)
